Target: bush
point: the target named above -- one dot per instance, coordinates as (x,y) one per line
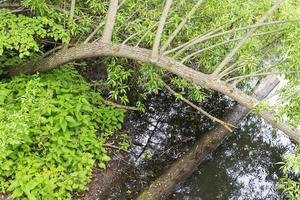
(52,128)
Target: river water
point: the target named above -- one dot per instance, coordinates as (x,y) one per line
(244,167)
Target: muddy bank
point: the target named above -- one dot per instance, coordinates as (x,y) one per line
(104,180)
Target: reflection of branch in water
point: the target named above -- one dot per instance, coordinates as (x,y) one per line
(145,119)
(150,137)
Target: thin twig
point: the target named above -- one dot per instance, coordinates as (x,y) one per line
(51,51)
(114,147)
(180,26)
(240,78)
(110,103)
(88,39)
(232,68)
(133,35)
(146,33)
(214,119)
(285,99)
(120,4)
(181,48)
(203,38)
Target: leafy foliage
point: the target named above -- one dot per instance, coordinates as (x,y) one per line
(289,184)
(118,80)
(22,33)
(192,91)
(289,109)
(21,37)
(31,105)
(150,79)
(51,135)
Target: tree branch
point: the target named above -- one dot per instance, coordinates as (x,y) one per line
(248,34)
(143,37)
(209,35)
(121,4)
(228,126)
(188,44)
(88,39)
(72,10)
(98,27)
(136,33)
(198,39)
(110,21)
(162,21)
(114,147)
(143,55)
(180,26)
(223,43)
(110,103)
(232,68)
(243,77)
(285,99)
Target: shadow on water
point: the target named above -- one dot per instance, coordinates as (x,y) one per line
(244,167)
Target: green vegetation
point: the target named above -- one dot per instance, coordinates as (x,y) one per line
(291,170)
(52,131)
(53,125)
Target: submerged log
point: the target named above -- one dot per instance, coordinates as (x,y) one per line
(162,187)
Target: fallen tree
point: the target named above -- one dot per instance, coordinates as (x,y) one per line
(158,57)
(226,37)
(163,186)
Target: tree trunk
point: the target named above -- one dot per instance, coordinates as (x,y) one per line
(143,55)
(162,187)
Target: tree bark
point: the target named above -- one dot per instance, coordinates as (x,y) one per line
(162,187)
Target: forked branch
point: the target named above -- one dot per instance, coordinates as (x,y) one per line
(143,55)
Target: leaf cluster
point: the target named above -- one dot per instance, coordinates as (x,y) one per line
(289,183)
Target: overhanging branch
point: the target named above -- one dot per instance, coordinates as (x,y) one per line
(144,56)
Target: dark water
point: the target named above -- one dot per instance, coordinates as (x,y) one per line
(244,167)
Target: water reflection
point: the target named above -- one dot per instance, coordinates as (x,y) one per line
(167,125)
(244,167)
